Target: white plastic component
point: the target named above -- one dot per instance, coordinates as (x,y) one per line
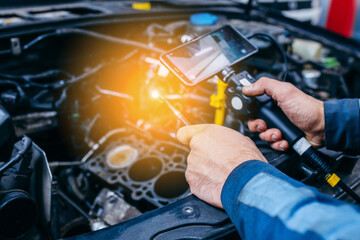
(236,103)
(301,146)
(245,82)
(307,49)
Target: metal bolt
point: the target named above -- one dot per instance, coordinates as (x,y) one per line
(188,210)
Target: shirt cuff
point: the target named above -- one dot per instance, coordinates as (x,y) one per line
(342,125)
(242,174)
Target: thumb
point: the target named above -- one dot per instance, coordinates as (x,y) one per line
(185,134)
(261,86)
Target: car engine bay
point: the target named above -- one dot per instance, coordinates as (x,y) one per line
(100,150)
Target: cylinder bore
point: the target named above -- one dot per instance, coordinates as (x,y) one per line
(145,169)
(171,185)
(121,156)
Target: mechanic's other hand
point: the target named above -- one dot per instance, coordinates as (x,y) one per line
(306,112)
(215,152)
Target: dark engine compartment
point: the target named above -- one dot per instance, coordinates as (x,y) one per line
(83,95)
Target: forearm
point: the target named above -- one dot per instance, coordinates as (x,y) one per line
(342,125)
(262,201)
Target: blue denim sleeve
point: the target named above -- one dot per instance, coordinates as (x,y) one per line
(264,203)
(342,125)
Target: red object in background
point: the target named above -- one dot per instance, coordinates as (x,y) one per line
(342,16)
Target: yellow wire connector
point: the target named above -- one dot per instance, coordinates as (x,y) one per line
(332,179)
(144,6)
(218,102)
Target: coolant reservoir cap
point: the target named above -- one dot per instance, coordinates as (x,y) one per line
(121,156)
(204,19)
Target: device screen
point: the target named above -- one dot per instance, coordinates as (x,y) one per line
(207,55)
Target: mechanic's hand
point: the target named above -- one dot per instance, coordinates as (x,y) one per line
(215,152)
(306,112)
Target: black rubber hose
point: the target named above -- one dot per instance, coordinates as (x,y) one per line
(315,160)
(281,50)
(73,204)
(64,31)
(349,191)
(42,75)
(15,84)
(27,143)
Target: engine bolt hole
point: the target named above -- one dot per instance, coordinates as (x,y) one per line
(177,159)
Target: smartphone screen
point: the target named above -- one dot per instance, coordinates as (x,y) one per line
(207,55)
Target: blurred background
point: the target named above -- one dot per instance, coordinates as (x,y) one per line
(340,16)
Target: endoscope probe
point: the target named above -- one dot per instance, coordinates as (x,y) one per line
(155,94)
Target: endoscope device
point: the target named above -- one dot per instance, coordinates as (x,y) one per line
(215,53)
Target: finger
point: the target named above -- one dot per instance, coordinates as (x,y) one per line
(281,145)
(257,125)
(271,135)
(264,85)
(185,134)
